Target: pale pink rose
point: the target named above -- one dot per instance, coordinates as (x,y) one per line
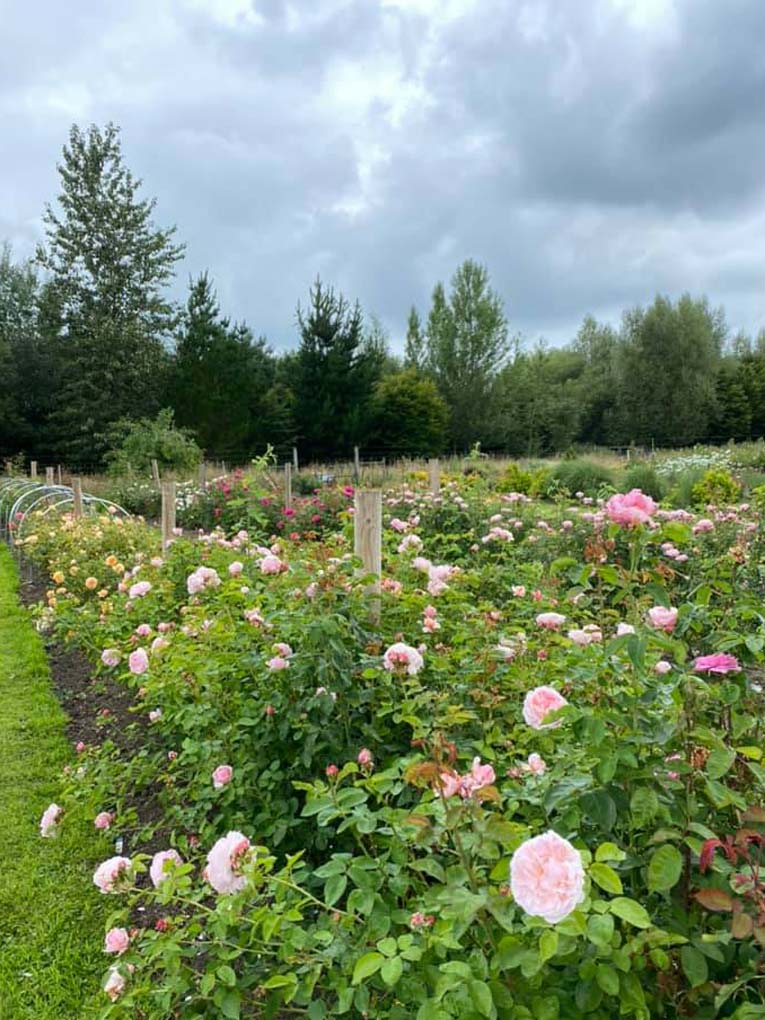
(662,618)
(222,775)
(115,984)
(110,657)
(156,561)
(536,764)
(550,621)
(143,630)
(430,611)
(138,661)
(235,568)
(113,875)
(272,565)
(201,578)
(703,525)
(719,663)
(137,591)
(538,704)
(662,667)
(580,637)
(624,628)
(103,820)
(278,663)
(159,643)
(283,649)
(410,542)
(403,657)
(116,941)
(399,525)
(224,863)
(49,821)
(547,877)
(161,863)
(364,757)
(452,783)
(155,715)
(430,625)
(519,590)
(630,509)
(420,563)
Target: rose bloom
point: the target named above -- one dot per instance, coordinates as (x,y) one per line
(117,941)
(536,764)
(111,875)
(702,525)
(278,663)
(283,649)
(222,775)
(402,656)
(718,663)
(364,757)
(103,820)
(467,785)
(110,657)
(662,618)
(518,590)
(49,821)
(235,568)
(137,591)
(138,661)
(630,509)
(155,715)
(550,621)
(538,704)
(159,865)
(91,583)
(624,628)
(115,984)
(272,565)
(224,863)
(662,667)
(547,877)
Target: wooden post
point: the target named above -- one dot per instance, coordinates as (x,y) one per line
(356,465)
(59,474)
(223,466)
(287,486)
(295,459)
(203,475)
(155,473)
(77,497)
(367,540)
(168,513)
(33,469)
(50,478)
(435,475)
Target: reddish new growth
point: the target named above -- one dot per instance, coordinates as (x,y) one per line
(747,903)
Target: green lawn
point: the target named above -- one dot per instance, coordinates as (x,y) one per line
(51,916)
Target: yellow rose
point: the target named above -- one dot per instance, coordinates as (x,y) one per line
(111,561)
(91,583)
(58,577)
(103,593)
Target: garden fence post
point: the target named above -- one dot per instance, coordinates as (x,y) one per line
(50,478)
(59,474)
(155,473)
(435,475)
(295,459)
(33,469)
(77,497)
(356,465)
(288,486)
(367,540)
(168,513)
(203,475)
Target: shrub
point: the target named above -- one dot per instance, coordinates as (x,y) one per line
(644,477)
(515,479)
(717,486)
(582,476)
(135,444)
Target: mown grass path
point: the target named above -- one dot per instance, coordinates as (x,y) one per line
(51,919)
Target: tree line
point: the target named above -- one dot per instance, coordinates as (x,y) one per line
(89,338)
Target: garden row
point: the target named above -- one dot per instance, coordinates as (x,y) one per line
(496,789)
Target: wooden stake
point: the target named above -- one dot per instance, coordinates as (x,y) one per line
(168,513)
(295,459)
(288,486)
(59,474)
(155,473)
(356,464)
(77,497)
(33,469)
(367,540)
(50,478)
(203,475)
(435,475)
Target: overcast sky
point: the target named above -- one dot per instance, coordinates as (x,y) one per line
(590,152)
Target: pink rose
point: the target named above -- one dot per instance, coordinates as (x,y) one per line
(143,630)
(630,509)
(110,657)
(402,657)
(703,525)
(137,591)
(624,628)
(115,984)
(539,703)
(547,877)
(222,776)
(519,590)
(364,757)
(224,863)
(662,618)
(138,661)
(272,565)
(116,941)
(718,663)
(278,663)
(550,621)
(155,715)
(235,568)
(283,649)
(662,667)
(113,875)
(536,764)
(161,863)
(103,820)
(49,821)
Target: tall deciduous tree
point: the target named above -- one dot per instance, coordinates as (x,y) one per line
(414,349)
(409,416)
(108,265)
(335,372)
(467,345)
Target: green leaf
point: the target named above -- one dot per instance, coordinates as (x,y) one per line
(366,966)
(600,807)
(288,981)
(664,868)
(334,888)
(606,878)
(229,1005)
(480,996)
(609,852)
(630,911)
(387,946)
(643,806)
(226,975)
(391,971)
(694,965)
(600,929)
(719,762)
(548,945)
(607,979)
